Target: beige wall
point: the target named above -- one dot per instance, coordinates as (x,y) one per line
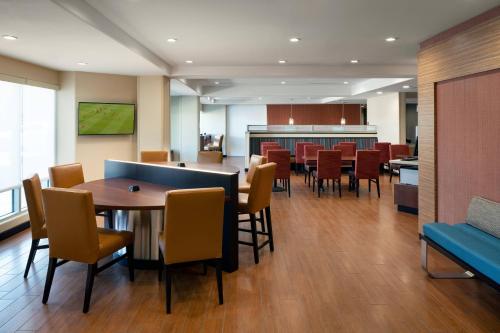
(91,151)
(385,112)
(23,72)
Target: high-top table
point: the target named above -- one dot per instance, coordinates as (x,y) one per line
(142,211)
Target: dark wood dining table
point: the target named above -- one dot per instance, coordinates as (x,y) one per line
(140,212)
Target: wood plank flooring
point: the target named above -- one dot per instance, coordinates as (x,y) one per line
(340,265)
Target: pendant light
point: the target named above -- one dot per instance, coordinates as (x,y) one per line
(342,120)
(290,120)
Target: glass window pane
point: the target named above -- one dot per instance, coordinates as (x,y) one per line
(10,145)
(5,203)
(23,199)
(38,145)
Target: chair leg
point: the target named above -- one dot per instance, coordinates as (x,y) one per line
(109,219)
(369,185)
(269,228)
(31,257)
(357,187)
(320,185)
(50,277)
(314,183)
(305,176)
(289,187)
(160,265)
(262,224)
(91,271)
(253,227)
(340,187)
(390,174)
(218,270)
(309,178)
(168,289)
(378,187)
(130,261)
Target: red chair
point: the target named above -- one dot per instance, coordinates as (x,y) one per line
(367,167)
(347,150)
(329,167)
(352,144)
(309,166)
(397,151)
(264,147)
(299,154)
(384,148)
(282,159)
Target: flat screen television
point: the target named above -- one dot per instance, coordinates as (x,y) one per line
(106,118)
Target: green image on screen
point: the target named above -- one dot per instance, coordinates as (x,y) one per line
(105,119)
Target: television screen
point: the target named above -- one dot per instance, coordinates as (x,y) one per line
(105,118)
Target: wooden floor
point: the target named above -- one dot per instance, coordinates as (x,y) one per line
(340,265)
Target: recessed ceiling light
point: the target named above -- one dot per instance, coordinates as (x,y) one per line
(406,87)
(379,92)
(81,63)
(9,37)
(391,39)
(216,82)
(346,82)
(294,39)
(354,61)
(171,40)
(282,61)
(189,61)
(283,82)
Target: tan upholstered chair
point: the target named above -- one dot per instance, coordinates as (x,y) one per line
(74,236)
(210,157)
(192,232)
(66,176)
(255,160)
(151,156)
(258,199)
(33,192)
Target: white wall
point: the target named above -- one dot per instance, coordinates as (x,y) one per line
(238,117)
(153,113)
(185,127)
(384,112)
(213,121)
(66,122)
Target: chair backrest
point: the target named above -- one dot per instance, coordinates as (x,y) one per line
(154,156)
(384,148)
(299,151)
(398,151)
(193,224)
(349,143)
(312,150)
(282,159)
(261,187)
(71,224)
(347,150)
(254,161)
(33,192)
(66,176)
(367,164)
(210,157)
(218,141)
(265,146)
(329,164)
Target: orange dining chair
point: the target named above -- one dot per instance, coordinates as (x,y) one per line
(329,167)
(367,167)
(299,155)
(282,159)
(397,151)
(384,148)
(309,166)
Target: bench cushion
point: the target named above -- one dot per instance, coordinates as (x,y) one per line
(478,249)
(485,215)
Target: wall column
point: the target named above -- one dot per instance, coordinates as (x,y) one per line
(153,113)
(387,112)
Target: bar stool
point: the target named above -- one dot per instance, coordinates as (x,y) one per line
(210,157)
(192,233)
(257,199)
(74,236)
(151,156)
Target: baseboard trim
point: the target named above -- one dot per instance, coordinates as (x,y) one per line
(12,231)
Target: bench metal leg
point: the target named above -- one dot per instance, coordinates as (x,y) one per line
(439,275)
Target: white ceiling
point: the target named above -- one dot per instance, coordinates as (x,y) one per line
(236,42)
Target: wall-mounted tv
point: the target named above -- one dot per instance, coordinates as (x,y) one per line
(106,118)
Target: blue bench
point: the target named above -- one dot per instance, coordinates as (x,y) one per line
(473,245)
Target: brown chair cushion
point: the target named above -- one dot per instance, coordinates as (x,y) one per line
(244,187)
(111,241)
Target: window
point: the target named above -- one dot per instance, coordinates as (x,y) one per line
(27,140)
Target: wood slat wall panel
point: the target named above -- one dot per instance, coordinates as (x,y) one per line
(472,51)
(313,114)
